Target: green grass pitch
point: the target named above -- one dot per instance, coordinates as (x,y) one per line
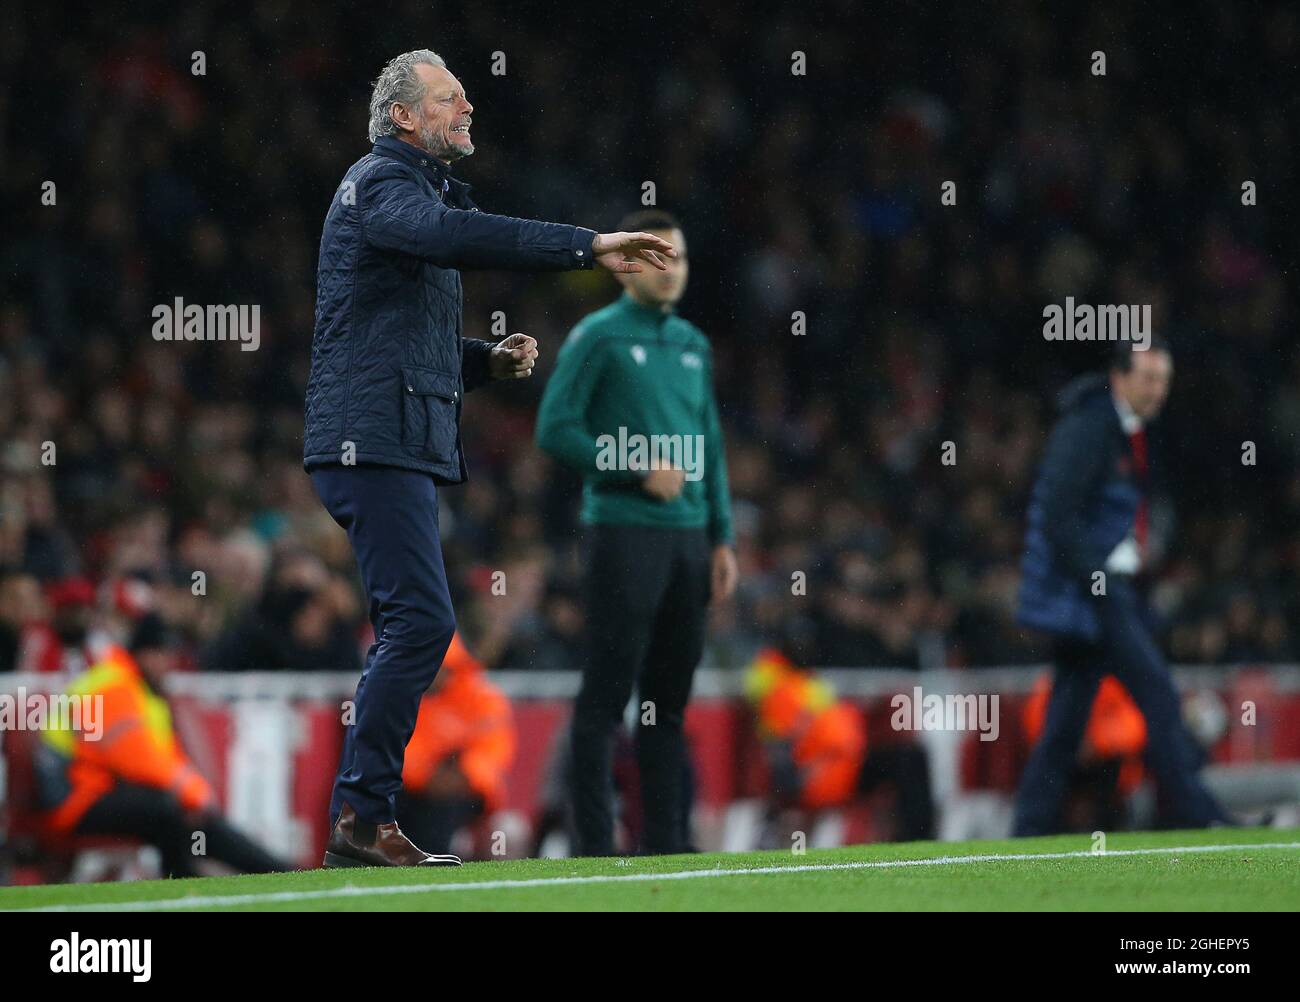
(1217,870)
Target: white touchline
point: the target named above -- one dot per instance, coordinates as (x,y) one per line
(350,891)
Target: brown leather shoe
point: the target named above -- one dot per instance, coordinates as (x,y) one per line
(357,843)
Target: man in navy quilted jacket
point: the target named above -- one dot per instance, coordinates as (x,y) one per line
(389,370)
(1085,544)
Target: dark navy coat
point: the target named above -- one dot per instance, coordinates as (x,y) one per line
(389,365)
(1084,504)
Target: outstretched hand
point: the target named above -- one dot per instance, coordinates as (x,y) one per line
(622,253)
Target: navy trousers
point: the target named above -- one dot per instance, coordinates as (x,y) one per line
(391,517)
(1126,650)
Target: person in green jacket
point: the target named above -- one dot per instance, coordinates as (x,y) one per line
(630,406)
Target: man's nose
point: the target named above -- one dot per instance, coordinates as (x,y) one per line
(466,107)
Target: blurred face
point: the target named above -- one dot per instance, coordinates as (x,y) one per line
(155,663)
(72,622)
(440,125)
(1146,385)
(21,601)
(312,626)
(661,288)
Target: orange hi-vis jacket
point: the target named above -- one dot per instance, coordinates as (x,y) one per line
(828,736)
(136,743)
(468,717)
(1116,727)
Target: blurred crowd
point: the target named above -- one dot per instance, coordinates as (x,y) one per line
(136,473)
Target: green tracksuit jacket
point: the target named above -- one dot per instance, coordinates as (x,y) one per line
(632,384)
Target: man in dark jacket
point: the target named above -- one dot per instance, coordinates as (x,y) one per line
(389,370)
(1086,541)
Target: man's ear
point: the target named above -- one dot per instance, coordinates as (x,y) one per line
(402,117)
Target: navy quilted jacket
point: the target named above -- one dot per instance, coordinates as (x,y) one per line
(1083,505)
(389,367)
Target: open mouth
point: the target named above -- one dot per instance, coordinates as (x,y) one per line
(462,129)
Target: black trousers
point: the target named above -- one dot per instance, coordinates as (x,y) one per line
(156,817)
(647,609)
(906,768)
(1126,650)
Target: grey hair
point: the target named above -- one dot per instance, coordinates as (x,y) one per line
(398,83)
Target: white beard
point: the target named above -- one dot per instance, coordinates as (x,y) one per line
(431,143)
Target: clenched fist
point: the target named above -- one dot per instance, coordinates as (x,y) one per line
(513,357)
(664,484)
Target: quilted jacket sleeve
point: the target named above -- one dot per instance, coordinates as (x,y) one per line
(397,215)
(474,367)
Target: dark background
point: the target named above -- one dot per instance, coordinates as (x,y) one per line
(817,193)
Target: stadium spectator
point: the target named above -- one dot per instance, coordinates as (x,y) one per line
(817,752)
(74,615)
(130,776)
(23,632)
(306,620)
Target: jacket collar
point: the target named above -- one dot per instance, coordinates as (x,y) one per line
(388,146)
(649,312)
